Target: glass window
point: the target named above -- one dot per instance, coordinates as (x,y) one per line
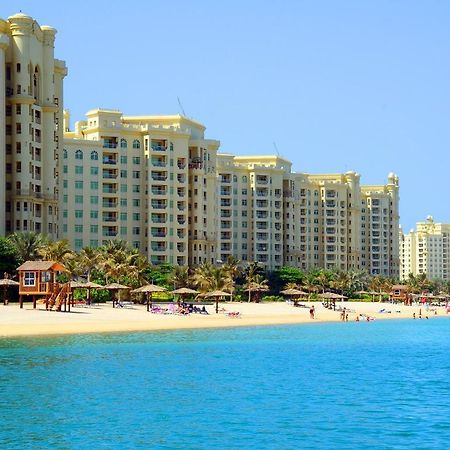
(94,155)
(78,213)
(78,154)
(94,185)
(78,228)
(79,170)
(136,143)
(123,159)
(94,228)
(29,279)
(79,199)
(136,160)
(65,154)
(94,200)
(123,143)
(78,185)
(94,214)
(94,170)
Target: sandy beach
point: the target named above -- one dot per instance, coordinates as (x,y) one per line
(103,318)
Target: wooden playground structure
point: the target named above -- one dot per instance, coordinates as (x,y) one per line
(38,279)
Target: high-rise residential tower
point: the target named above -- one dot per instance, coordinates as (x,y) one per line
(31,101)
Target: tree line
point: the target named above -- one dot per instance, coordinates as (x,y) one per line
(117,261)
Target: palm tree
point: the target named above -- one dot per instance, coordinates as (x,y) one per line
(27,244)
(209,278)
(258,284)
(180,277)
(58,251)
(89,259)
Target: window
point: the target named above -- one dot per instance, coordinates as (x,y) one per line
(65,198)
(78,244)
(94,200)
(94,171)
(65,213)
(94,214)
(64,183)
(123,159)
(136,216)
(136,143)
(18,167)
(136,160)
(136,188)
(94,185)
(29,279)
(93,243)
(136,174)
(123,202)
(123,188)
(65,154)
(136,231)
(123,143)
(94,156)
(123,174)
(78,213)
(78,228)
(94,228)
(78,154)
(79,170)
(79,199)
(136,202)
(65,169)
(78,184)
(123,216)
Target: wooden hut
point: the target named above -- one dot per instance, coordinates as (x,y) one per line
(399,293)
(38,279)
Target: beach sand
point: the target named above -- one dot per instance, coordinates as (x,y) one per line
(103,318)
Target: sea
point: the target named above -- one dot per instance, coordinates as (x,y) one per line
(366,385)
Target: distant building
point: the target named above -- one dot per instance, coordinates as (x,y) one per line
(426,251)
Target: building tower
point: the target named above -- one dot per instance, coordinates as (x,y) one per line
(31,134)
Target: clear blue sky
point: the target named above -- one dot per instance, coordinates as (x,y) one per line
(338,85)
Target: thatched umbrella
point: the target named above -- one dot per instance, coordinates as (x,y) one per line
(184,292)
(216,295)
(331,298)
(5,282)
(294,293)
(149,289)
(255,288)
(91,285)
(115,287)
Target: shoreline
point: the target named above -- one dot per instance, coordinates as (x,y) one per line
(27,322)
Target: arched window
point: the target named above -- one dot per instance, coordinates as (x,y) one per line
(171,146)
(94,155)
(244,179)
(65,154)
(78,154)
(136,143)
(123,143)
(234,179)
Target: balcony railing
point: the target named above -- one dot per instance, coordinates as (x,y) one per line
(158,148)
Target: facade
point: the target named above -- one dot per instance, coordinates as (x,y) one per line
(425,251)
(30,131)
(158,183)
(149,180)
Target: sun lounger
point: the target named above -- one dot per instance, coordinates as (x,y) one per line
(234,314)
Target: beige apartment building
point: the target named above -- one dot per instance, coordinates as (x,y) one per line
(158,183)
(426,250)
(30,133)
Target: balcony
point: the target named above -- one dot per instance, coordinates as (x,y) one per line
(261,225)
(181,220)
(159,176)
(262,236)
(225,225)
(109,190)
(262,247)
(262,203)
(158,246)
(158,162)
(262,193)
(225,179)
(225,235)
(262,179)
(109,174)
(109,218)
(159,218)
(225,214)
(156,190)
(261,214)
(158,204)
(181,178)
(109,161)
(158,232)
(180,192)
(156,260)
(181,234)
(181,206)
(110,204)
(195,163)
(225,202)
(180,247)
(158,145)
(181,163)
(225,191)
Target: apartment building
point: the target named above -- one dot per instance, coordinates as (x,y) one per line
(146,179)
(30,132)
(426,250)
(332,221)
(250,206)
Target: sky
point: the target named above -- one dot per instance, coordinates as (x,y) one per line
(330,85)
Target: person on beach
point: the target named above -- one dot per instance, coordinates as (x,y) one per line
(311,312)
(414,315)
(357,317)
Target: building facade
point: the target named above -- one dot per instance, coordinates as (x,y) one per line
(30,131)
(158,183)
(425,251)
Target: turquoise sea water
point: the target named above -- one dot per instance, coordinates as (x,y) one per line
(378,385)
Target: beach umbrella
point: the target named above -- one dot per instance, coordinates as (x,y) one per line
(5,282)
(293,292)
(216,295)
(115,287)
(149,289)
(184,292)
(91,285)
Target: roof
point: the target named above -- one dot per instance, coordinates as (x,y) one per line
(42,266)
(399,286)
